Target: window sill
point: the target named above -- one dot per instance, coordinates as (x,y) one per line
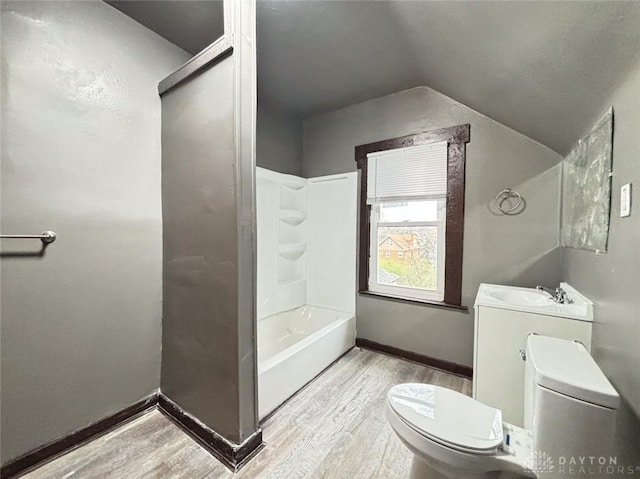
(424,302)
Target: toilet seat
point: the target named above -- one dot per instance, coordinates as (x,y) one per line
(448,417)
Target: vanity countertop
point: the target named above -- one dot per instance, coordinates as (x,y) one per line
(531,300)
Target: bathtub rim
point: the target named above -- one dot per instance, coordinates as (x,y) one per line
(343,317)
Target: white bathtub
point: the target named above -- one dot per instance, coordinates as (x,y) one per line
(295,346)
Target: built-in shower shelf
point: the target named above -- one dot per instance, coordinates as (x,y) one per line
(293,196)
(293,217)
(294,185)
(292,251)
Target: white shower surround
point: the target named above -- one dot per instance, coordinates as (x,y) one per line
(306,282)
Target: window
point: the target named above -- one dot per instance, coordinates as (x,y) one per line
(412,216)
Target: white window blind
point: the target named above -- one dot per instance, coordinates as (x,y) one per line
(405,173)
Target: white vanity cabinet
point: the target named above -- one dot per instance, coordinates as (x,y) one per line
(502,323)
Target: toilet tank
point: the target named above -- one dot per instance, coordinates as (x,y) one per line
(570,406)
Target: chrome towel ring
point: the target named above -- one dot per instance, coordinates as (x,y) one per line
(505,195)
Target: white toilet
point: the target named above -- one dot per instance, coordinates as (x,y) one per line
(570,411)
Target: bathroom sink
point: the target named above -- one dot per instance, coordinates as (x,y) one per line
(521,297)
(531,300)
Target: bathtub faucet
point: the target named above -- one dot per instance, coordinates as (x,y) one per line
(558,295)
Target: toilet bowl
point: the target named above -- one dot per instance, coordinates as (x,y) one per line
(570,408)
(454,436)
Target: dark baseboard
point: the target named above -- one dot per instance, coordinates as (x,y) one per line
(234,456)
(231,455)
(54,449)
(448,366)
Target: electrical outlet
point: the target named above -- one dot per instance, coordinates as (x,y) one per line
(625,200)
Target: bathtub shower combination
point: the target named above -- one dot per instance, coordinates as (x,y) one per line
(306,279)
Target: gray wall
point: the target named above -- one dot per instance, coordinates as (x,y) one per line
(519,250)
(208,169)
(611,280)
(81,156)
(278,140)
(200,235)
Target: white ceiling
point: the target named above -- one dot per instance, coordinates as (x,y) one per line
(541,68)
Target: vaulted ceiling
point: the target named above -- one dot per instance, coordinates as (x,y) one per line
(541,68)
(544,69)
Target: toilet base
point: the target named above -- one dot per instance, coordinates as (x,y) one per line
(420,469)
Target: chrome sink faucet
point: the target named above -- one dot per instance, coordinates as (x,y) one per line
(559,295)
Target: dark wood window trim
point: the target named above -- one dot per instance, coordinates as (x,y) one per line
(457,138)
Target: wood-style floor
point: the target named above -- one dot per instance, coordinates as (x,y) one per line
(334,428)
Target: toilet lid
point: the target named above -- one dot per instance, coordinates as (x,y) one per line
(448,416)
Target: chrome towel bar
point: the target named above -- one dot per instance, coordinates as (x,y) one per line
(47,237)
